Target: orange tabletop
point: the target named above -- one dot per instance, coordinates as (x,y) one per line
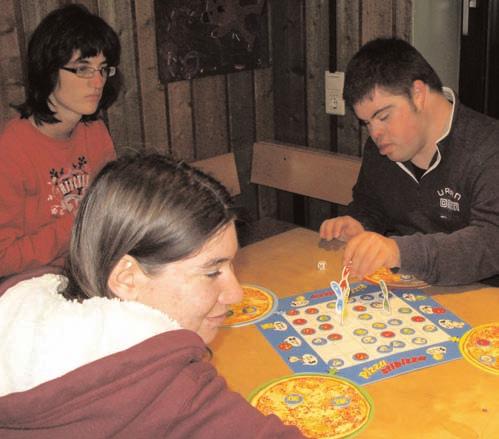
(451,400)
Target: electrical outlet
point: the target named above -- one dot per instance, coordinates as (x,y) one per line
(333,88)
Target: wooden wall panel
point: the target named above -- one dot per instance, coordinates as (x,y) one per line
(264,130)
(11,74)
(289,71)
(347,43)
(376,19)
(91,5)
(403,19)
(318,122)
(241,109)
(210,116)
(180,118)
(317,63)
(152,93)
(33,12)
(241,114)
(264,103)
(123,118)
(288,44)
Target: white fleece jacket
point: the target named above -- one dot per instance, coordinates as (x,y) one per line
(43,335)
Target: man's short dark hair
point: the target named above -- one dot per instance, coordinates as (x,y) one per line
(390,63)
(53,43)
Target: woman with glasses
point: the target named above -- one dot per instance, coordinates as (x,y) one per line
(57,145)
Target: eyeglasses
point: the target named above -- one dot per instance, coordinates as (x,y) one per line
(89,72)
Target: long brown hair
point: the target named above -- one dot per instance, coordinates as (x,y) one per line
(153,208)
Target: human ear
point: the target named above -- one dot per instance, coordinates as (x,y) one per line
(126,278)
(419,89)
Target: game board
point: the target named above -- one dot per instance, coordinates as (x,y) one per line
(321,406)
(480,346)
(371,344)
(257,303)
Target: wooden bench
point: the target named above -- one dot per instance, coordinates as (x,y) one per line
(311,172)
(305,171)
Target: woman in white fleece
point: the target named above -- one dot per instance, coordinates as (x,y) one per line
(117,347)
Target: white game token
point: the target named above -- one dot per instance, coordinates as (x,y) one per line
(321,265)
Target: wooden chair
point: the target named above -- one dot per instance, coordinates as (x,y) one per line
(305,171)
(223,168)
(311,172)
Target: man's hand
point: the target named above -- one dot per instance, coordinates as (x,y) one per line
(369,251)
(343,228)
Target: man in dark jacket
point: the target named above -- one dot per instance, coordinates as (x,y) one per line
(427,197)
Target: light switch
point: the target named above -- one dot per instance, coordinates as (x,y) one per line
(334,82)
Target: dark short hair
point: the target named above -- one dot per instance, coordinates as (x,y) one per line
(390,63)
(151,207)
(53,43)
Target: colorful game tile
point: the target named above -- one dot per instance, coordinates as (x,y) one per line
(395,280)
(320,405)
(480,346)
(257,303)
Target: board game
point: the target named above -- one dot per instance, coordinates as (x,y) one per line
(321,406)
(372,343)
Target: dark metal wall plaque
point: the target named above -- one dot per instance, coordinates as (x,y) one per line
(207,37)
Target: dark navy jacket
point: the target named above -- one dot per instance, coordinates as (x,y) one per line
(447,223)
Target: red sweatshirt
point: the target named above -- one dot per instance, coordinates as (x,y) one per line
(162,387)
(42,181)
